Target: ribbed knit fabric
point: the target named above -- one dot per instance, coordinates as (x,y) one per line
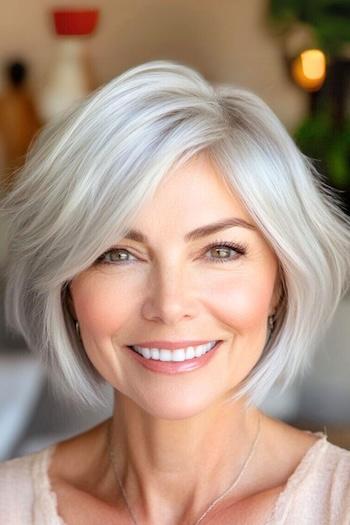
(317,493)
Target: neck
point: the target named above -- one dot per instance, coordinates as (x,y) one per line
(166,464)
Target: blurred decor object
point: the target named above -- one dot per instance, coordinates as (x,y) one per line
(69,77)
(19,120)
(69,22)
(309,69)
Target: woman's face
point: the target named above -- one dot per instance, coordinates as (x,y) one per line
(170,288)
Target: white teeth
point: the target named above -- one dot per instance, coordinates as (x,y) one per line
(190,352)
(155,353)
(146,353)
(164,355)
(180,354)
(198,351)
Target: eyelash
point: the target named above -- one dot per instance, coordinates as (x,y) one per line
(239,248)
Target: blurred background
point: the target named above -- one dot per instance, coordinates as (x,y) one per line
(295,54)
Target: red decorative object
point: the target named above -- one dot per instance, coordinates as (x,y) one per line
(69,77)
(75,22)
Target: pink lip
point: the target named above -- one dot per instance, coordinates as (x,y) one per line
(174,367)
(171,345)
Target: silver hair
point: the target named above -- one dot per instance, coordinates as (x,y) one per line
(89,173)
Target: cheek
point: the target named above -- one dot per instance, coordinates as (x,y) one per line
(241,302)
(101,307)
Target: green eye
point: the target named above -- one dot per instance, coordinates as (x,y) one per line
(114,256)
(221,250)
(225,248)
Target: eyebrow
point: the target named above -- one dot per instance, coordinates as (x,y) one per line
(202,231)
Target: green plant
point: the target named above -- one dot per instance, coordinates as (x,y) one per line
(318,138)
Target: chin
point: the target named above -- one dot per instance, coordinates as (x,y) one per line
(175,408)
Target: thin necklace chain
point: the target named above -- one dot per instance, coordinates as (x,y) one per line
(219,498)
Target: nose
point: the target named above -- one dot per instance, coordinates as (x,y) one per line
(170,296)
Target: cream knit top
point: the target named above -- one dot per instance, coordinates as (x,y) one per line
(317,493)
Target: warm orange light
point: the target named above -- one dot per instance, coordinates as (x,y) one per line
(309,69)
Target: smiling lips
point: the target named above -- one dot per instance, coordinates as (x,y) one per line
(177,355)
(176,361)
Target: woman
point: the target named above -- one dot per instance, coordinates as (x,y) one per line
(168,238)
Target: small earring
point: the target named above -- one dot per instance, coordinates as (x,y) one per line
(77,330)
(271,322)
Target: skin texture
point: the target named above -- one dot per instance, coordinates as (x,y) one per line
(171,434)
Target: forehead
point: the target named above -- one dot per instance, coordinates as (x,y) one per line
(196,191)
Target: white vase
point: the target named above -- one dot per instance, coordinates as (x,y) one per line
(67,80)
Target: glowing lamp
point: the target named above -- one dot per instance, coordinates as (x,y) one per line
(309,69)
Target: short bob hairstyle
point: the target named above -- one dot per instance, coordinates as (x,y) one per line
(89,173)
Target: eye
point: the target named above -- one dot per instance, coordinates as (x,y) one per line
(224,248)
(114,256)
